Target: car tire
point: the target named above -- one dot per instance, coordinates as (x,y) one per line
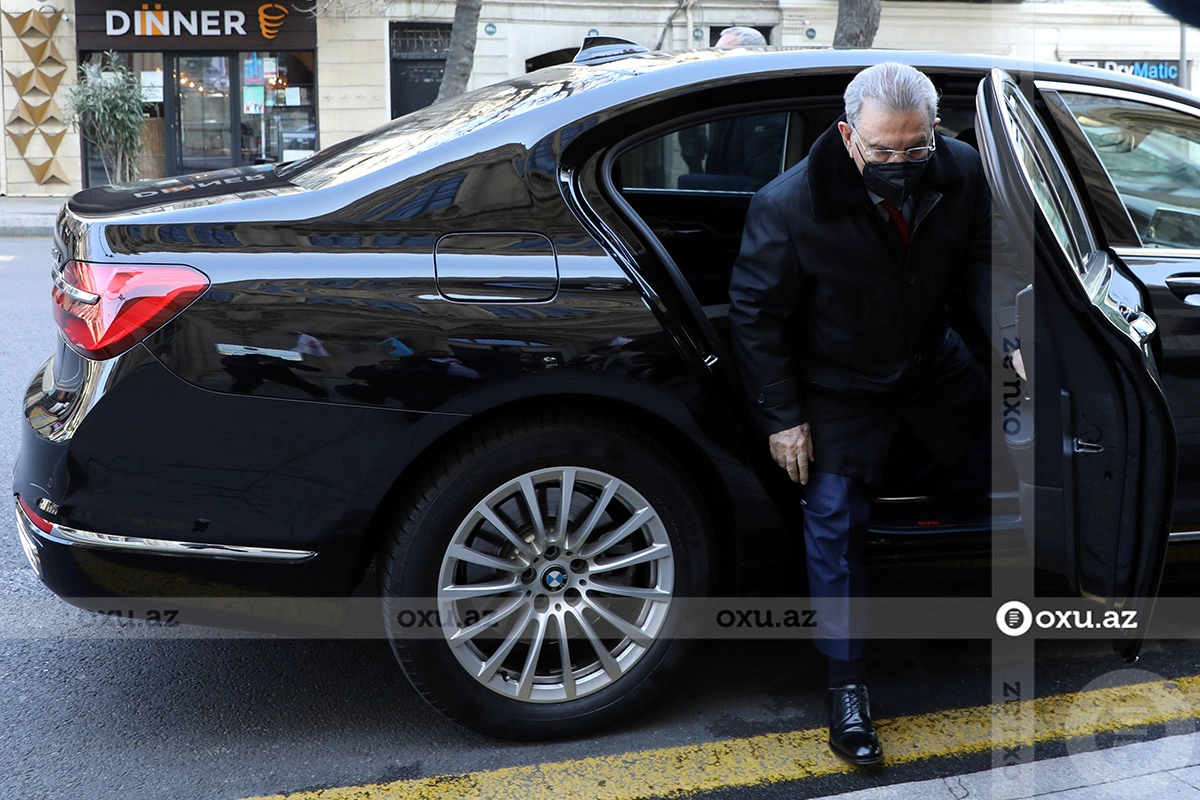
(600,593)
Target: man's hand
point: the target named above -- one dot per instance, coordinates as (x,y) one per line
(792,449)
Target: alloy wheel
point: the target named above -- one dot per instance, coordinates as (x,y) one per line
(556,584)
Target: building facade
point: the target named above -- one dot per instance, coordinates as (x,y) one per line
(231,82)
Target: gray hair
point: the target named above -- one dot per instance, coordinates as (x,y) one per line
(746,37)
(891,87)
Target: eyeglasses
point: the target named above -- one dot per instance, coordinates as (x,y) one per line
(881,155)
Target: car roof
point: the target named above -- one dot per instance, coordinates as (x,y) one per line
(715,63)
(553,97)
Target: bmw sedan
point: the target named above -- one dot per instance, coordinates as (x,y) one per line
(478,357)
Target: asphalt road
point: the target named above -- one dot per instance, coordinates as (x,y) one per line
(175,716)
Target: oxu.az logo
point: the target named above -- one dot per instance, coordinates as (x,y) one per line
(1015,618)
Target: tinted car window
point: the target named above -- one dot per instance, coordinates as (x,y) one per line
(737,154)
(1152,155)
(440,123)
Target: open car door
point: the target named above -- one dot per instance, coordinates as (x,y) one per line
(1094,443)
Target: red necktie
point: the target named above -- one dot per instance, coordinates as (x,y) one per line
(897,220)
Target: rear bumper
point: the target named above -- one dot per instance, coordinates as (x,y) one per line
(152,487)
(113,580)
(77,565)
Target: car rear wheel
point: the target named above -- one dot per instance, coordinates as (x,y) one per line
(554,551)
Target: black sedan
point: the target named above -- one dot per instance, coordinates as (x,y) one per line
(480,355)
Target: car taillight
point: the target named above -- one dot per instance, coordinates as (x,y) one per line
(105,309)
(40,522)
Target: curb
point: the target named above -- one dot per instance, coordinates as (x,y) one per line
(28,226)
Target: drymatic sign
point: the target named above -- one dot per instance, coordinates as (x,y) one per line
(1165,71)
(193,25)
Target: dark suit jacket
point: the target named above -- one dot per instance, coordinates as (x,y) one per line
(825,300)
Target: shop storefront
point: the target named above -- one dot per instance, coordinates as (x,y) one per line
(226,83)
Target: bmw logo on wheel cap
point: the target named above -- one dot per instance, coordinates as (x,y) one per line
(554,578)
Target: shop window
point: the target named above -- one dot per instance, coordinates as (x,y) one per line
(152,161)
(278,107)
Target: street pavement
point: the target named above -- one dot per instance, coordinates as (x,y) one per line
(214,716)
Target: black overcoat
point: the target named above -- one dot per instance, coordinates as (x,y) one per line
(834,322)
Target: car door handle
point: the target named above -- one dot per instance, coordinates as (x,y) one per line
(1186,288)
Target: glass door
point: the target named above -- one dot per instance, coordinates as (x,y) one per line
(205,113)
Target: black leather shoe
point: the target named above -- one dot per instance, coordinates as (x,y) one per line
(851,733)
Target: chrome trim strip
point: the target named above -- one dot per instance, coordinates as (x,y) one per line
(1121,94)
(1183,536)
(168,547)
(1157,253)
(994,496)
(71,291)
(644,190)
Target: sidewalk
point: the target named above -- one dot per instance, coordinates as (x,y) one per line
(1162,769)
(29,216)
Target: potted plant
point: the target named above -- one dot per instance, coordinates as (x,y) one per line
(105,106)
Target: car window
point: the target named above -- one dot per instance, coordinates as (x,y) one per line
(1152,155)
(1051,190)
(736,154)
(440,123)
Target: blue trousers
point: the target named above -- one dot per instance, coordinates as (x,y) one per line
(836,515)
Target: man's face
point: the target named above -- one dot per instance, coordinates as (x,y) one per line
(891,130)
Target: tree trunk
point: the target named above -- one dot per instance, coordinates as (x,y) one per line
(461,55)
(857,24)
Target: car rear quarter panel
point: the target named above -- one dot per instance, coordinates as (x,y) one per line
(289,402)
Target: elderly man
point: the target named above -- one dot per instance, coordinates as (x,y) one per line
(839,323)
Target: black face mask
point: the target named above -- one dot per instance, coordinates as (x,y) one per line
(894,181)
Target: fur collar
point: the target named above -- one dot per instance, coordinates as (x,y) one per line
(836,186)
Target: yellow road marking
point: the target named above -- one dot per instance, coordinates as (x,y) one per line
(775,758)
